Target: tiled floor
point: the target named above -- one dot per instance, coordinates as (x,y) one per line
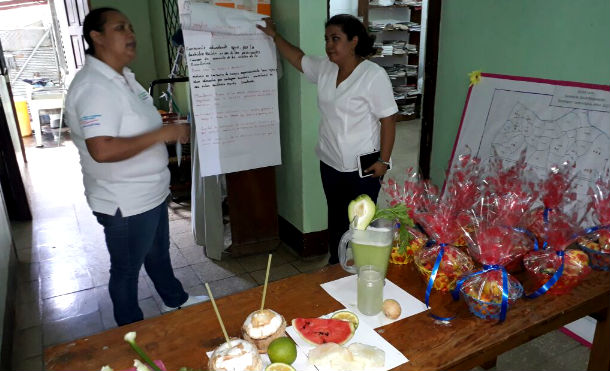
(63,266)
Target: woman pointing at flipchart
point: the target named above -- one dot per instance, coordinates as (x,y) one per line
(357,108)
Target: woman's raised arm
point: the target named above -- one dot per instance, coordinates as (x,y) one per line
(288,51)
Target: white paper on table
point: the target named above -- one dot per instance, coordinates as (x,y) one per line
(364,335)
(300,364)
(344,291)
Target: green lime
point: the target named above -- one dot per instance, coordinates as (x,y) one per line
(282,350)
(279,366)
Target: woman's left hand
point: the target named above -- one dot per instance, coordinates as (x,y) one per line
(378,169)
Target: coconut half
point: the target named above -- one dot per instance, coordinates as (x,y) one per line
(262,327)
(236,355)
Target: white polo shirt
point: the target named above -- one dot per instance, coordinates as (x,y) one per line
(101,102)
(351,111)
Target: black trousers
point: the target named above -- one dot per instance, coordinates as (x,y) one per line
(340,189)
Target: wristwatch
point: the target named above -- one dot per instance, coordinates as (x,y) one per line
(386,163)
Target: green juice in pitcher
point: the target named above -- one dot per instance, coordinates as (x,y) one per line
(372,247)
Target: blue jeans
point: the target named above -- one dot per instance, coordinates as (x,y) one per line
(340,188)
(133,241)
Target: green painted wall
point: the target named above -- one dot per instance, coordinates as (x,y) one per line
(138,12)
(299,188)
(558,39)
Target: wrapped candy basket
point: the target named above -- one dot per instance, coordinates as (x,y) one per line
(483,293)
(404,254)
(542,265)
(597,246)
(454,264)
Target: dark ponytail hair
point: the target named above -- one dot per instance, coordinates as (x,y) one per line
(352,26)
(94,21)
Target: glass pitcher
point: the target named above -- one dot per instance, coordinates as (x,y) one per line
(367,247)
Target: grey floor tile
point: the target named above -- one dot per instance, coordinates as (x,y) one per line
(286,252)
(259,261)
(30,364)
(62,283)
(180,226)
(62,250)
(28,315)
(311,264)
(28,292)
(210,270)
(28,255)
(276,273)
(100,276)
(27,343)
(183,240)
(75,265)
(194,254)
(554,343)
(149,307)
(187,277)
(178,260)
(103,297)
(107,318)
(231,285)
(27,272)
(70,305)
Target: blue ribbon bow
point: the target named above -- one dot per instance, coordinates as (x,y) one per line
(488,268)
(545,217)
(529,234)
(437,263)
(544,288)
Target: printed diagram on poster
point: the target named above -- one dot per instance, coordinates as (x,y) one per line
(233,82)
(552,121)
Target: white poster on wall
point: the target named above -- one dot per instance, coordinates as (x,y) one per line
(233,83)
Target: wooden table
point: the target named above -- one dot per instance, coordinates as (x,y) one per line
(181,338)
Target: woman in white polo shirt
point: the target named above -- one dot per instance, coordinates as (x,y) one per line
(121,143)
(357,108)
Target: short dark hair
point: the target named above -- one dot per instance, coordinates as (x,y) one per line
(94,21)
(352,26)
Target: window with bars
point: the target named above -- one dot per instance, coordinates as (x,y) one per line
(172,25)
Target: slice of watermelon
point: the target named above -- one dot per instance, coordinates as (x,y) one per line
(321,330)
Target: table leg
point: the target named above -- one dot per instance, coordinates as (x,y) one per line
(599,359)
(489,364)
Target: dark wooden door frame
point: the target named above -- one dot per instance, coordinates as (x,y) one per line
(10,177)
(429,93)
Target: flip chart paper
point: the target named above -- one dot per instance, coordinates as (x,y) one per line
(233,82)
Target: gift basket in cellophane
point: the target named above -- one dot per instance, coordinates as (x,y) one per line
(554,267)
(464,191)
(556,192)
(596,240)
(510,193)
(557,269)
(414,193)
(440,262)
(490,291)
